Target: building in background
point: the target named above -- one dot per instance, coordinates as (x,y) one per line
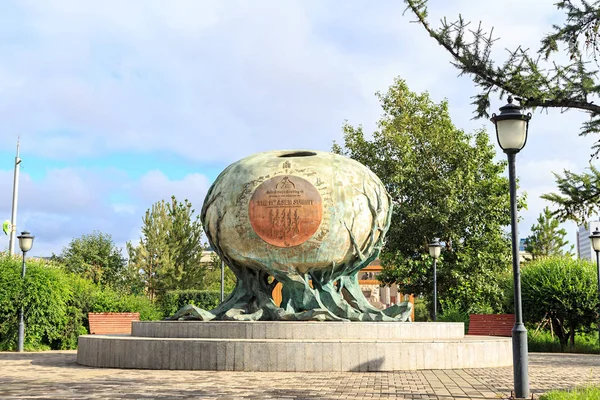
(584,247)
(523,254)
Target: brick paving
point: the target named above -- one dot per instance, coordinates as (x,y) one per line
(56,375)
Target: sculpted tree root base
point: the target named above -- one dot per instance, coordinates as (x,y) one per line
(326,300)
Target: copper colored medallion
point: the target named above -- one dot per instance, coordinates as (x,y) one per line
(285,210)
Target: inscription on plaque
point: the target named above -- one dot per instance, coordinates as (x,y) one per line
(285,210)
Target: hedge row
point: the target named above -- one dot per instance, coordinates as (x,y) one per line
(56,304)
(173,300)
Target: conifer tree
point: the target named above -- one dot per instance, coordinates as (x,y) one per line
(546,238)
(169,252)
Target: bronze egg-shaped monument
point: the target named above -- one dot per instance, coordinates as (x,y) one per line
(309,220)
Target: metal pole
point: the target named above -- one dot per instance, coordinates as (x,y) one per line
(519,333)
(15,199)
(222,281)
(21,339)
(598,267)
(434,290)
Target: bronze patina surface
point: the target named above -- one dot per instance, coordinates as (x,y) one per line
(285,211)
(308,220)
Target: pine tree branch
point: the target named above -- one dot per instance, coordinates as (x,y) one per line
(462,60)
(566,103)
(565,87)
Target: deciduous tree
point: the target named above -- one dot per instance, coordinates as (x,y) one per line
(96,257)
(444,184)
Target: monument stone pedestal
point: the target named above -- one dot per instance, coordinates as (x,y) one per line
(294,347)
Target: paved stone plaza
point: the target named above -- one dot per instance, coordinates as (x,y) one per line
(55,375)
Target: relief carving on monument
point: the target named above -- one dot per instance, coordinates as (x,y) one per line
(285,211)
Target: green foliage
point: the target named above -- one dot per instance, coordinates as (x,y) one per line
(546,238)
(585,393)
(151,255)
(169,253)
(541,80)
(421,307)
(44,295)
(111,301)
(95,257)
(56,303)
(562,290)
(543,341)
(452,312)
(172,301)
(579,196)
(212,278)
(444,184)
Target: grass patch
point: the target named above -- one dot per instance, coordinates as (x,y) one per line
(543,342)
(587,393)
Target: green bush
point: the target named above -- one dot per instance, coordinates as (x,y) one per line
(56,304)
(421,310)
(562,290)
(543,341)
(451,312)
(44,295)
(173,300)
(143,305)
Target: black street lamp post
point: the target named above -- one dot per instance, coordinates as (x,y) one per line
(25,243)
(595,239)
(434,251)
(511,132)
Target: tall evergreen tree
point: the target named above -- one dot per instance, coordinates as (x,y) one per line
(169,252)
(185,242)
(151,255)
(546,238)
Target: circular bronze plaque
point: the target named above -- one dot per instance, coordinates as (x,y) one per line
(285,210)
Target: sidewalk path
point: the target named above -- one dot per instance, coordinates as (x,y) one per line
(56,375)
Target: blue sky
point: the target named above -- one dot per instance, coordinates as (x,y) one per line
(122,104)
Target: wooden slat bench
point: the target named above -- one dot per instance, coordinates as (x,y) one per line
(111,323)
(491,324)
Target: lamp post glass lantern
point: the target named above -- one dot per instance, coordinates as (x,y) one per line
(25,243)
(595,239)
(435,249)
(511,131)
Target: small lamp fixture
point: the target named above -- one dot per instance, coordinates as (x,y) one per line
(434,249)
(25,241)
(595,238)
(511,127)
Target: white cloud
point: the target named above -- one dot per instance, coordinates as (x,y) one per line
(155,186)
(68,203)
(212,82)
(238,79)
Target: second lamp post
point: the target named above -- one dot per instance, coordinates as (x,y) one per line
(434,251)
(511,131)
